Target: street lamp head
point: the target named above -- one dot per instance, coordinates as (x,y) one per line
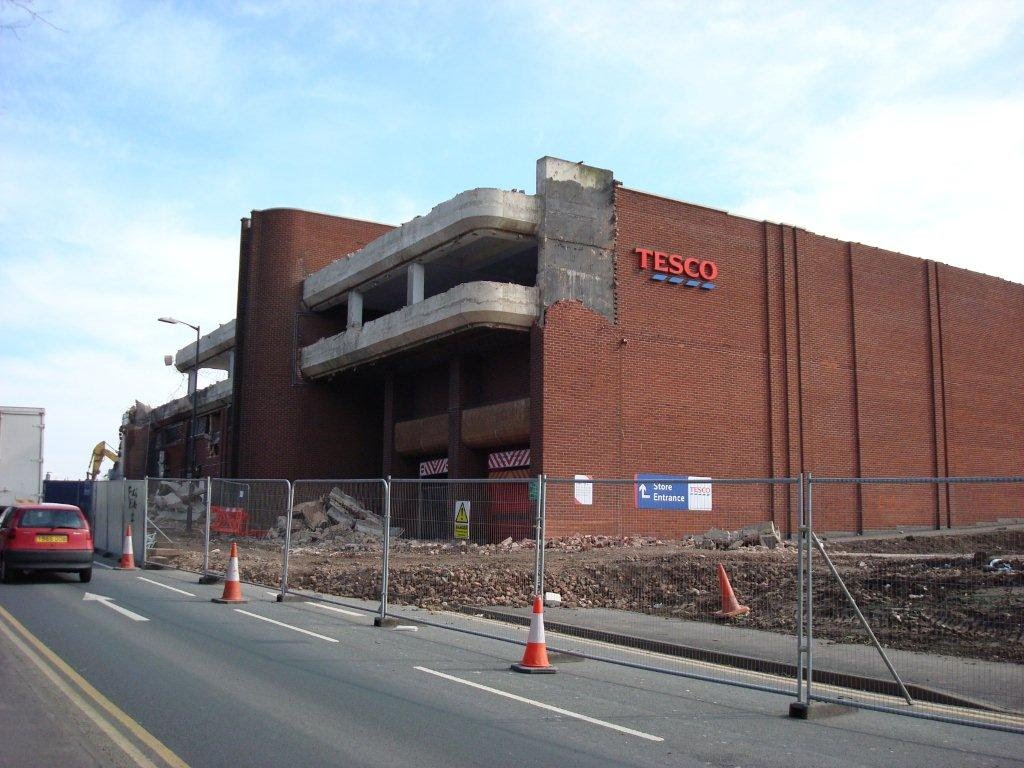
(170,320)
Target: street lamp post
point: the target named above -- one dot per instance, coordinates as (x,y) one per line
(190,442)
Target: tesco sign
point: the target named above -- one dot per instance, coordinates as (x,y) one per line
(677,270)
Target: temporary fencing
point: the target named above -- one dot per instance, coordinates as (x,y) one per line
(177,513)
(654,572)
(641,579)
(464,546)
(247,509)
(339,524)
(926,627)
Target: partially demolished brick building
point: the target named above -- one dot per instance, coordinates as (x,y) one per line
(592,329)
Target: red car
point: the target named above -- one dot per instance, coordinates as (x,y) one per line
(45,537)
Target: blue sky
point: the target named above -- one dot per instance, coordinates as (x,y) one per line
(135,136)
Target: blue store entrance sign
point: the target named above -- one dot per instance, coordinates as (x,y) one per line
(669,492)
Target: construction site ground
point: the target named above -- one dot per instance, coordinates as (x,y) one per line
(920,593)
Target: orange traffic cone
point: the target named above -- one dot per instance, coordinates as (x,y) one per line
(731,608)
(232,585)
(535,657)
(127,561)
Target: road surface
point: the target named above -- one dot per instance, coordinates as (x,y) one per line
(190,682)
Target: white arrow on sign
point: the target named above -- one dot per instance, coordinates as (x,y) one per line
(109,602)
(643,492)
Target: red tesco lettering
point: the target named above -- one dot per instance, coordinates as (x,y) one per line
(674,264)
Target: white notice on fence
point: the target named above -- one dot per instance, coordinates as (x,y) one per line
(699,494)
(584,492)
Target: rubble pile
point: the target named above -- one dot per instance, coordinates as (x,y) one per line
(335,517)
(173,498)
(764,535)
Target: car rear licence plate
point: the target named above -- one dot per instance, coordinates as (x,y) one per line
(52,538)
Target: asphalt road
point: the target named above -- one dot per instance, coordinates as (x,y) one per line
(222,687)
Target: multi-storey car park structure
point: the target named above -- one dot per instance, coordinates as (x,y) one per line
(591,328)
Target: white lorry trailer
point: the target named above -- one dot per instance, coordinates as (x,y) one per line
(21,454)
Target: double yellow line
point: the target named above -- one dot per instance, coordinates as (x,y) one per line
(107,716)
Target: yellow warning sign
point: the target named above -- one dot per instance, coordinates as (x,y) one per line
(461,519)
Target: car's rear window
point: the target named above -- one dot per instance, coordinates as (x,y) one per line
(51,518)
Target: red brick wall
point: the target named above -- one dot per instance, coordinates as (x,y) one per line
(811,354)
(136,451)
(284,426)
(982,318)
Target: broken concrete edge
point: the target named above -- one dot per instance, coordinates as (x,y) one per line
(482,303)
(469,211)
(800,710)
(386,622)
(289,597)
(848,680)
(211,578)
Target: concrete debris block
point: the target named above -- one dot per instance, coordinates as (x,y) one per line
(750,534)
(721,539)
(312,512)
(771,540)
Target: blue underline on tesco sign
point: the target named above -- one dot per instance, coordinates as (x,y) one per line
(689,283)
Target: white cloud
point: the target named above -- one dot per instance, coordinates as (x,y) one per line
(938,180)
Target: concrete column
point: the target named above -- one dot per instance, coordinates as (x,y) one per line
(414,284)
(231,363)
(193,377)
(355,309)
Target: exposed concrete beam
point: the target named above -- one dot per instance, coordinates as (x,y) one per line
(497,426)
(470,305)
(213,349)
(210,399)
(576,236)
(515,213)
(422,437)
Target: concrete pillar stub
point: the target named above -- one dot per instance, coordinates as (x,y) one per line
(355,309)
(414,284)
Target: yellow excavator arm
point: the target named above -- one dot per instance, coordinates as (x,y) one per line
(101,450)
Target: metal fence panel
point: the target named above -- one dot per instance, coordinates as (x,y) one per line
(332,538)
(251,513)
(946,606)
(464,546)
(640,562)
(176,521)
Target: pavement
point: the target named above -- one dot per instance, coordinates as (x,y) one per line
(929,677)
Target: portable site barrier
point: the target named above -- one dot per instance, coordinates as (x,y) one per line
(939,637)
(641,581)
(344,516)
(932,634)
(177,514)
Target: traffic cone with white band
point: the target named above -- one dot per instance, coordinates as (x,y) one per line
(535,657)
(232,584)
(127,561)
(731,608)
